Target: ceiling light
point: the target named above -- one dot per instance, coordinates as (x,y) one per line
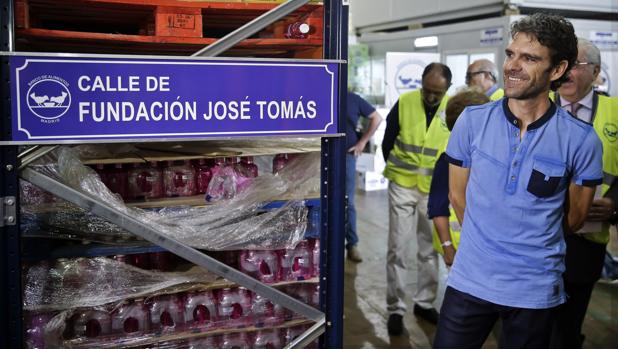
(426,41)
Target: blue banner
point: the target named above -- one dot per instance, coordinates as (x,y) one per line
(58,98)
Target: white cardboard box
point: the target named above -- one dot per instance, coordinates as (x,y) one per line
(373,162)
(369,181)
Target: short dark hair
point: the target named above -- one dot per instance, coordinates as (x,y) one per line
(444,70)
(555,33)
(460,101)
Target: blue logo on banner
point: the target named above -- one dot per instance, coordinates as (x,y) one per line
(48,97)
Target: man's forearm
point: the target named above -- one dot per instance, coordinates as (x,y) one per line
(577,206)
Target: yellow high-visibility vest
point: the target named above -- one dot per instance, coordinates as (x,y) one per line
(417,148)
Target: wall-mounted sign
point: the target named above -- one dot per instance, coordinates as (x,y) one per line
(101,98)
(404,71)
(492,37)
(604,40)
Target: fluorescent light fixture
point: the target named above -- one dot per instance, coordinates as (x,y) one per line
(426,41)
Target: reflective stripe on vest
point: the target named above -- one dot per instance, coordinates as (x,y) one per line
(411,148)
(412,168)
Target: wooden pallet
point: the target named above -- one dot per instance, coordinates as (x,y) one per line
(168,27)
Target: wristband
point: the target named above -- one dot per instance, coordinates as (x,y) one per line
(447,243)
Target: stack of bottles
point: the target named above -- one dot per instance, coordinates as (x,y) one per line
(188,312)
(235,309)
(294,264)
(230,176)
(219,178)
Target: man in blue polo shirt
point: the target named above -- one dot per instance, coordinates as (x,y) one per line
(516,167)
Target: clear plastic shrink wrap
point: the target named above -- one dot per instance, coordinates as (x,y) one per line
(105,303)
(237,223)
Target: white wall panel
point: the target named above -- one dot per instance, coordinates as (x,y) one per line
(396,13)
(578,5)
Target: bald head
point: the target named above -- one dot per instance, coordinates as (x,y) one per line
(482,74)
(436,81)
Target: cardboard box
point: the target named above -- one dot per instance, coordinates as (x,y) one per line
(370,181)
(370,162)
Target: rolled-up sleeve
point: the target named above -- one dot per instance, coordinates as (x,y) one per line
(438,203)
(588,161)
(459,143)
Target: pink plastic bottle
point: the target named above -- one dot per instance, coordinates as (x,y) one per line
(166,313)
(262,265)
(293,332)
(92,323)
(249,168)
(218,164)
(179,179)
(297,264)
(131,318)
(33,195)
(118,180)
(226,181)
(315,295)
(163,260)
(297,30)
(204,175)
(316,257)
(267,339)
(290,333)
(265,313)
(35,333)
(234,307)
(102,172)
(140,260)
(145,181)
(279,162)
(121,258)
(200,309)
(238,340)
(303,293)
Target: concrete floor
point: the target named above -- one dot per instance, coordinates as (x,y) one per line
(365,292)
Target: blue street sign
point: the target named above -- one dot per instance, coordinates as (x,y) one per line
(81,98)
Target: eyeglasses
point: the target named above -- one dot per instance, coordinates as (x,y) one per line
(469,75)
(581,64)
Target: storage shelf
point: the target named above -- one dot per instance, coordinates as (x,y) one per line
(186,335)
(166,27)
(172,27)
(43,40)
(199,150)
(198,200)
(36,249)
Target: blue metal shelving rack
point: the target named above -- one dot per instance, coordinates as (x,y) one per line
(332,199)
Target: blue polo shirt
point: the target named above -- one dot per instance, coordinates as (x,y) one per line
(512,248)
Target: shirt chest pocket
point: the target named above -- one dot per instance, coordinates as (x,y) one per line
(546,177)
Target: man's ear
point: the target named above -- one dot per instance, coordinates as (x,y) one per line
(596,71)
(558,70)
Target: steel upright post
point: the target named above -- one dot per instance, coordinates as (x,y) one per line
(333,183)
(10,265)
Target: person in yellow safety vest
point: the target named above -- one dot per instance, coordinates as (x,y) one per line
(415,133)
(585,251)
(446,226)
(483,74)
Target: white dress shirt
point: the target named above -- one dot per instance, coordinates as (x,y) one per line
(584,112)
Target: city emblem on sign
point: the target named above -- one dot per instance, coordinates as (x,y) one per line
(48,98)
